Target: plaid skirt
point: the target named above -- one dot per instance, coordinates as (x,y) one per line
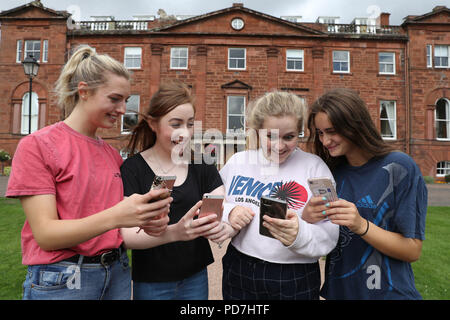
(248,278)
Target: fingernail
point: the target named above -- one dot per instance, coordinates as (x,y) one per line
(327,204)
(324,198)
(323,212)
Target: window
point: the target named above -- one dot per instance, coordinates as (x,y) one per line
(429,56)
(33,48)
(441,56)
(388,120)
(236,58)
(45,51)
(26,113)
(133,57)
(294,60)
(130,118)
(386,62)
(341,61)
(178,58)
(443,119)
(19,51)
(236,114)
(443,168)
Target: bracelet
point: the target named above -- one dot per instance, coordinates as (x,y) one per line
(367,229)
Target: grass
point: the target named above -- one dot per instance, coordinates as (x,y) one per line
(432,271)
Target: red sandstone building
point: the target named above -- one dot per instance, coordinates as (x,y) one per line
(234,55)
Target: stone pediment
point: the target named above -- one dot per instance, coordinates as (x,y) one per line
(236,84)
(440,14)
(33,10)
(255,23)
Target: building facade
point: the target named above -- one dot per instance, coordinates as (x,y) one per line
(231,56)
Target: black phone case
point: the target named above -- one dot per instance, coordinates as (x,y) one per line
(274,208)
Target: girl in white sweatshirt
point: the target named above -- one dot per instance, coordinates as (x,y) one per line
(284,267)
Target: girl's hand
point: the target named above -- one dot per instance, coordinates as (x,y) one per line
(136,211)
(314,210)
(345,213)
(239,217)
(221,233)
(285,230)
(157,226)
(188,229)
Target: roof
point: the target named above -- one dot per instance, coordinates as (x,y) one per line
(15,13)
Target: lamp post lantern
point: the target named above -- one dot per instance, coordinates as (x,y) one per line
(31,68)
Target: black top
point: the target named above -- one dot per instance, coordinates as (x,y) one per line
(177,260)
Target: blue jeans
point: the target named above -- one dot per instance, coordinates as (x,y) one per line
(193,288)
(77,281)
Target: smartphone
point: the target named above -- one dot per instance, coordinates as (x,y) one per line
(160,182)
(323,187)
(275,208)
(211,204)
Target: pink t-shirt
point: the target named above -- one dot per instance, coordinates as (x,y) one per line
(84,175)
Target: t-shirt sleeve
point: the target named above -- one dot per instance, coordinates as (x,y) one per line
(129,179)
(31,170)
(412,195)
(210,178)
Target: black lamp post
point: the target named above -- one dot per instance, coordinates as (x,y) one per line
(31,68)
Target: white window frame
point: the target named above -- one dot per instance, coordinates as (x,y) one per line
(242,114)
(19,51)
(438,48)
(130,112)
(237,59)
(391,119)
(131,55)
(179,54)
(443,166)
(446,120)
(295,55)
(341,61)
(429,56)
(26,52)
(44,50)
(385,64)
(25,113)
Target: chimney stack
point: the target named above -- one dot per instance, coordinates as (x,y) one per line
(383,19)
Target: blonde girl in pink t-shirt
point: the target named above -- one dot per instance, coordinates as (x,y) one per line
(69,184)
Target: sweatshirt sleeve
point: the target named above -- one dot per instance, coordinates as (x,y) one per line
(315,240)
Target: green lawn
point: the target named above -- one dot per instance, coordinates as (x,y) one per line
(432,271)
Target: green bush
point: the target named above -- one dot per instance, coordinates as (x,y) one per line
(428,179)
(447,178)
(7,170)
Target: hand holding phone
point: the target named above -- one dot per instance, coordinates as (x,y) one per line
(160,182)
(274,208)
(323,187)
(211,204)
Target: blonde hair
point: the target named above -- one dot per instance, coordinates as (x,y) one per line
(87,66)
(273,104)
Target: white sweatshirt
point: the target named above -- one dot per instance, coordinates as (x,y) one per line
(248,175)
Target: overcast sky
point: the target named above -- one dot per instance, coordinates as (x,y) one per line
(308,9)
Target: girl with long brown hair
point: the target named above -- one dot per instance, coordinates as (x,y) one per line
(382,205)
(172,265)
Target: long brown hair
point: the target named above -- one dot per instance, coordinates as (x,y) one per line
(350,118)
(170,95)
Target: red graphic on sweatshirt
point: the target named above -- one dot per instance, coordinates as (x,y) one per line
(293,193)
